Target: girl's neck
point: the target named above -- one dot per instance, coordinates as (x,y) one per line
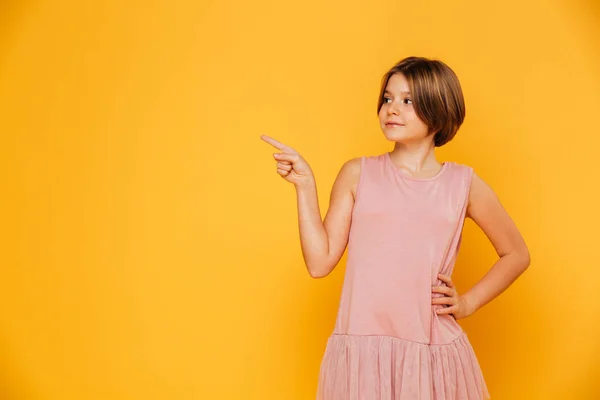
(415,158)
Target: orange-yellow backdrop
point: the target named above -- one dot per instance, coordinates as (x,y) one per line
(149,248)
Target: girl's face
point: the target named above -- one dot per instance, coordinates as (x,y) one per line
(397,117)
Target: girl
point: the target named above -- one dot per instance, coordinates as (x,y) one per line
(401,213)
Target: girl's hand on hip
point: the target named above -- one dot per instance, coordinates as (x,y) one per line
(456,304)
(290,164)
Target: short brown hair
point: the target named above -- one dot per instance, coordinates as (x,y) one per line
(435,93)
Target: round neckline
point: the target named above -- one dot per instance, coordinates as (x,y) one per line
(414,178)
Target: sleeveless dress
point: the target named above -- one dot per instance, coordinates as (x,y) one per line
(388,342)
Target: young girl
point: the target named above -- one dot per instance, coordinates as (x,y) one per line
(401,213)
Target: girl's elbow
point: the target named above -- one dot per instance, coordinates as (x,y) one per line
(527,260)
(525,257)
(319,272)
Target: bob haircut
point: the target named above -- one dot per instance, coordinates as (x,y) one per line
(436,95)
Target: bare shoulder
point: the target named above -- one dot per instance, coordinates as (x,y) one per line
(349,174)
(486,210)
(482,197)
(353,165)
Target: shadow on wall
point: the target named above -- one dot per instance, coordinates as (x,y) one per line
(12,385)
(11,12)
(589,11)
(12,382)
(592,7)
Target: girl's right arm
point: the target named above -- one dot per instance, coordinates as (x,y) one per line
(323,242)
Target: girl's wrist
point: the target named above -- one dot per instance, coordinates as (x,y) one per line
(470,303)
(308,184)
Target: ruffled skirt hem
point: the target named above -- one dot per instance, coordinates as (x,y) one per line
(374,367)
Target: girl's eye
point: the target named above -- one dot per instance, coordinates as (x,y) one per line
(385,100)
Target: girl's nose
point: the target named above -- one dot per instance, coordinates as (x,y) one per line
(393,110)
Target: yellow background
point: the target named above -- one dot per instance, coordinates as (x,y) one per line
(149,248)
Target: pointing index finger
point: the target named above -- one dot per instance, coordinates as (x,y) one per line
(277,144)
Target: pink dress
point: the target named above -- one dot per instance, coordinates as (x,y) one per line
(388,342)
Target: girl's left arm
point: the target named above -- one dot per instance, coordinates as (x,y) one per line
(485,209)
